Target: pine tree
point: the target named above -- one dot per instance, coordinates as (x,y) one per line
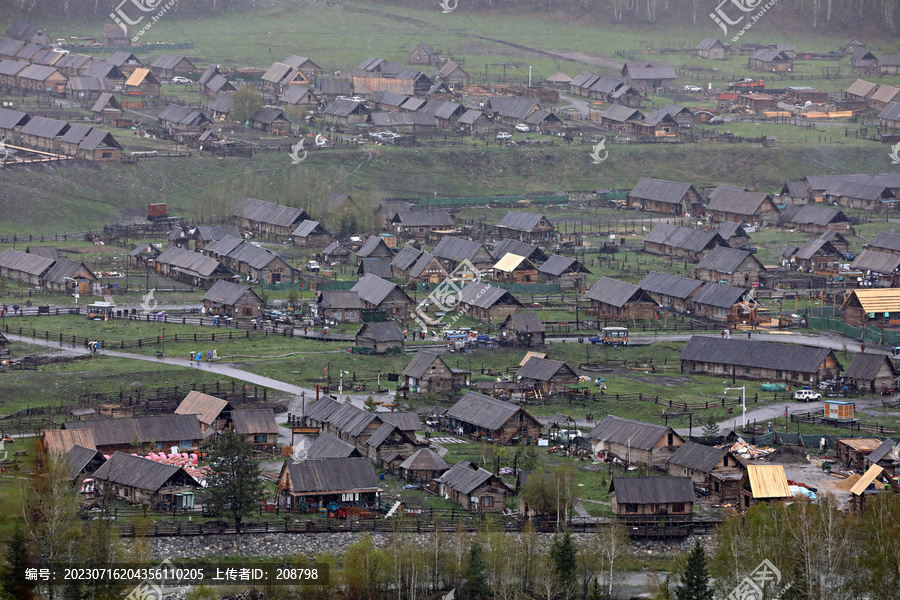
(695,579)
(12,574)
(234,488)
(476,586)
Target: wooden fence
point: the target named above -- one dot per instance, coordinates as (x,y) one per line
(815,417)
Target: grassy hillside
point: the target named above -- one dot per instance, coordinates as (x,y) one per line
(79,197)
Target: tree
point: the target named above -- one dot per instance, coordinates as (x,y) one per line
(476,586)
(245,102)
(695,578)
(12,573)
(549,492)
(233,486)
(370,404)
(366,570)
(613,548)
(293,297)
(710,428)
(564,555)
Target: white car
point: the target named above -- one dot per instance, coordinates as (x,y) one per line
(523,128)
(179,80)
(692,88)
(807,395)
(357,99)
(61,50)
(503,135)
(312,266)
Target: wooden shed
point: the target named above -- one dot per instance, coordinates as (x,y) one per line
(620,301)
(423,466)
(634,442)
(257,426)
(876,307)
(481,417)
(311,485)
(473,488)
(735,267)
(143,481)
(523,329)
(546,377)
(428,373)
(764,483)
(667,197)
(380,337)
(651,496)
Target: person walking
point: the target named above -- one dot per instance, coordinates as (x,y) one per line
(192,356)
(198,356)
(748,334)
(209,355)
(215,354)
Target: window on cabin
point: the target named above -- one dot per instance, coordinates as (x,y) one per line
(260,438)
(631,509)
(106,155)
(678,507)
(487,501)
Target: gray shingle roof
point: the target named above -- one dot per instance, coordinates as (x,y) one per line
(424,460)
(462,478)
(45,128)
(655,117)
(542,369)
(400,119)
(373,289)
(260,211)
(322,410)
(422,263)
(255,256)
(344,108)
(770,56)
(252,421)
(380,267)
(63,269)
(670,285)
(183,115)
(12,118)
(226,292)
(525,322)
(268,115)
(697,457)
(637,434)
(811,214)
(650,70)
(482,411)
(406,258)
(37,72)
(513,107)
(328,446)
(385,331)
(167,62)
(652,490)
(456,249)
(817,246)
(891,112)
(420,363)
(612,292)
(482,295)
(881,451)
(684,238)
(725,260)
(332,475)
(718,295)
(853,189)
(866,366)
(187,260)
(78,457)
(708,44)
(521,221)
(370,246)
(470,117)
(660,190)
(520,248)
(11,67)
(159,428)
(294,94)
(209,233)
(876,261)
(622,113)
(403,420)
(141,473)
(381,435)
(341,300)
(730,199)
(351,420)
(309,227)
(754,354)
(886,241)
(730,229)
(32,264)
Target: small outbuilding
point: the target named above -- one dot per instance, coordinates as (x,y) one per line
(423,466)
(381,337)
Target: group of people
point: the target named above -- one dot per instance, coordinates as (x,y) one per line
(93,347)
(196,356)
